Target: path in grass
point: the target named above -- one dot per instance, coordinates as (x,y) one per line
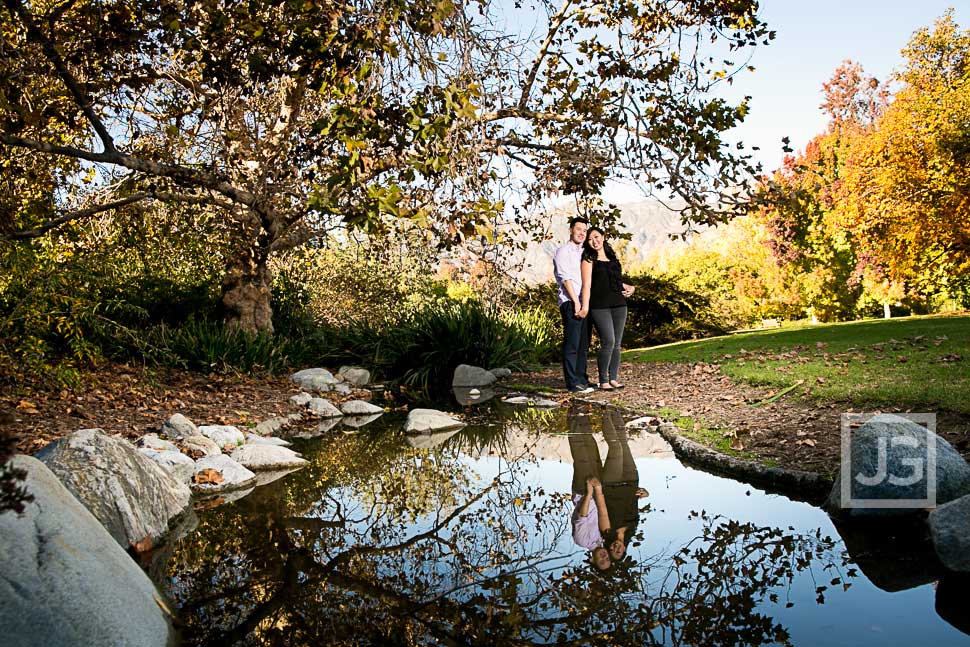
(919,363)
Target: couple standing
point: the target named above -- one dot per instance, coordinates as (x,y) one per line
(591,287)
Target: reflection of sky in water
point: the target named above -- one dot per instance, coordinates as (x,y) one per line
(862,615)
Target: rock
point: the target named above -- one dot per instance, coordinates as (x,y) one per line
(356,422)
(209,501)
(300,399)
(267,457)
(950,530)
(544,403)
(500,373)
(314,379)
(952,472)
(342,389)
(893,553)
(466,375)
(951,605)
(322,407)
(200,444)
(519,399)
(178,426)
(326,425)
(132,496)
(430,420)
(234,475)
(175,462)
(355,375)
(359,408)
(226,436)
(64,582)
(643,423)
(152,441)
(255,439)
(271,426)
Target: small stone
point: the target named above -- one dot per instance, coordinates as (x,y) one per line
(234,475)
(430,420)
(519,399)
(200,444)
(500,373)
(359,408)
(256,439)
(323,408)
(152,441)
(543,403)
(342,389)
(267,457)
(223,435)
(271,426)
(300,399)
(178,426)
(355,375)
(175,462)
(314,379)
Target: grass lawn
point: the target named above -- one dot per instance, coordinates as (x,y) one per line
(922,363)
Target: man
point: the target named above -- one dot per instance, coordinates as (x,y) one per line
(576,333)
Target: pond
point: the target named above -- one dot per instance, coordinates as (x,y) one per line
(468,538)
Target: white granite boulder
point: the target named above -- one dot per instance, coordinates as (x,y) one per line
(422,421)
(359,408)
(267,457)
(64,581)
(272,425)
(500,373)
(323,408)
(234,476)
(354,375)
(466,375)
(178,426)
(132,496)
(314,379)
(175,462)
(226,436)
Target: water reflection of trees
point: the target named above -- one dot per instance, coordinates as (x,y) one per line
(409,548)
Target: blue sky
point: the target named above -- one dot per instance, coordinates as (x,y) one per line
(813,38)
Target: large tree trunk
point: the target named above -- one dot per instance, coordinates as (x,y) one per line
(246,293)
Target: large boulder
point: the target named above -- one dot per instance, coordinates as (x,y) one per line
(950,529)
(178,426)
(466,375)
(354,375)
(314,379)
(359,408)
(226,437)
(903,445)
(423,421)
(220,473)
(132,496)
(65,582)
(267,457)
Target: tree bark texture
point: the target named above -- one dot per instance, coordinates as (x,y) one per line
(246,294)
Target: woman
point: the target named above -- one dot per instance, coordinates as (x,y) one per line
(604,300)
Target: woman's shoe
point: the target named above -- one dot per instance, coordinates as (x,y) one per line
(616,385)
(605,387)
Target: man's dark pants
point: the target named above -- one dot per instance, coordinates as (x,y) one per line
(576,337)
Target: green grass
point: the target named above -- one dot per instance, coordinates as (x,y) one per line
(912,362)
(530,388)
(699,430)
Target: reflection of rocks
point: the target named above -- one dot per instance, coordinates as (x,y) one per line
(222,498)
(65,581)
(234,475)
(155,562)
(950,529)
(430,440)
(132,496)
(466,375)
(897,446)
(267,457)
(267,477)
(951,600)
(468,395)
(430,420)
(356,422)
(522,441)
(894,554)
(542,403)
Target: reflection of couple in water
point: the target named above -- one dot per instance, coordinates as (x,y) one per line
(605,493)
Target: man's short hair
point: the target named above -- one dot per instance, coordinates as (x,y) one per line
(575,219)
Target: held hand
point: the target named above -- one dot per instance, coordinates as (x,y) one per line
(628,290)
(641,493)
(581,314)
(593,483)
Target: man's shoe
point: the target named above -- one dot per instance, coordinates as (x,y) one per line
(581,390)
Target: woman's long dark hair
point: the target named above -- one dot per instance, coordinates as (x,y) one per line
(615,272)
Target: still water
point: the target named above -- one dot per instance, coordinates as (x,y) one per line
(475,537)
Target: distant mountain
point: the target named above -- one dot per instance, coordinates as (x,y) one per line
(649,223)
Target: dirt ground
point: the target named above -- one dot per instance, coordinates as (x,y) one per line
(131,401)
(788,432)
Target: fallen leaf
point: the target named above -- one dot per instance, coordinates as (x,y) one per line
(820,380)
(142,546)
(902,359)
(208,475)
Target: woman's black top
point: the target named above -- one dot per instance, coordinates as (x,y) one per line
(606,286)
